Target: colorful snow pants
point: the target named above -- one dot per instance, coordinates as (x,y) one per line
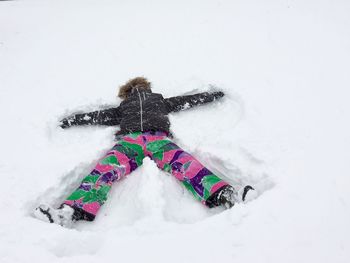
(127,155)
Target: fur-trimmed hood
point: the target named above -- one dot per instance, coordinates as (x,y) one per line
(139,82)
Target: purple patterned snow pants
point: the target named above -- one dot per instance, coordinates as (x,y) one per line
(128,154)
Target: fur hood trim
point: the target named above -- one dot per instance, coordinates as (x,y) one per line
(139,82)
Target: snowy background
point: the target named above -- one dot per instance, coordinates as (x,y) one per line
(283,127)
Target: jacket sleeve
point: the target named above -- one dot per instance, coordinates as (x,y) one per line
(179,103)
(108,117)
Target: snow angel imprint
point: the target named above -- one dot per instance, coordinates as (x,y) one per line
(144,131)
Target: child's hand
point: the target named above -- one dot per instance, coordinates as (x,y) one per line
(64,123)
(218,94)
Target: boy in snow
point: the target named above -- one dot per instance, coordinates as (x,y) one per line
(144,131)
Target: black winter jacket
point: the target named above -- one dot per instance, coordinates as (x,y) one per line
(142,110)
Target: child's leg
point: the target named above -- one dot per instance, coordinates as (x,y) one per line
(121,160)
(200,181)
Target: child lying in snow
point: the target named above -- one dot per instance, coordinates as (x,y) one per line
(144,131)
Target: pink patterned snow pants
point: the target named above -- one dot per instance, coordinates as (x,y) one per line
(128,154)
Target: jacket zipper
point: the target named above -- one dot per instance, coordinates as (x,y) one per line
(140,109)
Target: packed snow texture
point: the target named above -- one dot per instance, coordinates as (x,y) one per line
(282,127)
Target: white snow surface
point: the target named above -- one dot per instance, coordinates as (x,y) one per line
(282,127)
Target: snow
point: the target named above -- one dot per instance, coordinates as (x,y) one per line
(283,127)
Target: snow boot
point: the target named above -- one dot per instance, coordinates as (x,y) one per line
(62,216)
(227,196)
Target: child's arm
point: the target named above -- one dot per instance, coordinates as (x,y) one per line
(185,102)
(109,117)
